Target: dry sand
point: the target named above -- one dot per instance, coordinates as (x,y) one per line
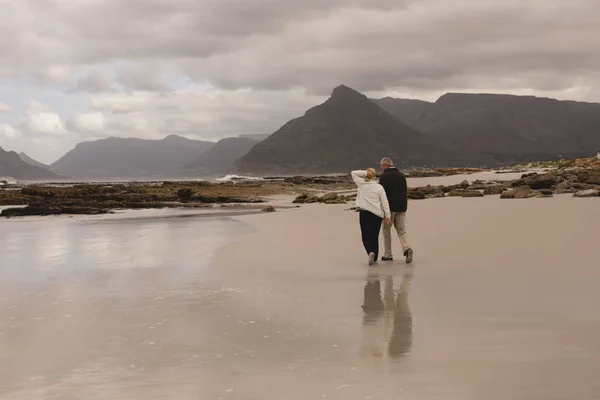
(500,303)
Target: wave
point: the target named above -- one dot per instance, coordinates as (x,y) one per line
(7,181)
(232,177)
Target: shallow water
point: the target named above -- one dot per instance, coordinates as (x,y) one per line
(98,301)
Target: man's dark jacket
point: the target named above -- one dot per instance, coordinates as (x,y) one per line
(394,183)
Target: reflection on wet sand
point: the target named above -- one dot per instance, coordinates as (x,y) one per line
(387,319)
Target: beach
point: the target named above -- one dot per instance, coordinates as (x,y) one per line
(500,302)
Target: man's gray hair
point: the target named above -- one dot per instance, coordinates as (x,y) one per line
(386,161)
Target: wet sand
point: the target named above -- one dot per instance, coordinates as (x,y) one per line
(500,303)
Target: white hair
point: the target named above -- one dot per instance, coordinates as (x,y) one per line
(386,161)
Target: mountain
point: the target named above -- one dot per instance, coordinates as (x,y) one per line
(11,165)
(34,162)
(128,158)
(506,127)
(347,131)
(255,136)
(219,159)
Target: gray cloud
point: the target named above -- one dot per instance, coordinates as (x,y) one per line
(143,77)
(94,82)
(258,63)
(315,44)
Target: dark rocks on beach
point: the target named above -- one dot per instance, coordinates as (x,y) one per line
(332,198)
(493,190)
(587,193)
(318,180)
(268,209)
(465,193)
(185,193)
(463,185)
(306,199)
(223,199)
(536,181)
(546,192)
(565,187)
(416,195)
(329,198)
(43,210)
(589,177)
(523,192)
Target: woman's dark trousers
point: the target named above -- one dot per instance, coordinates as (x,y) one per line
(370,225)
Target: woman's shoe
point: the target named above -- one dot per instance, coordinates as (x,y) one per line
(371,259)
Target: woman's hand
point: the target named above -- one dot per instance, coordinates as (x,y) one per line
(388,220)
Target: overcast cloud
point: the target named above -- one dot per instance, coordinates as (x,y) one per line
(87,69)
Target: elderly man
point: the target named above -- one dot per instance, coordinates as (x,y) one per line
(394,183)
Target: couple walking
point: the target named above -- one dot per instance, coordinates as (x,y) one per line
(376,202)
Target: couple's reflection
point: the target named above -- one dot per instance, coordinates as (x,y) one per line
(387,320)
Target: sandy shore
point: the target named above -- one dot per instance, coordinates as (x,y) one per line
(502,298)
(500,303)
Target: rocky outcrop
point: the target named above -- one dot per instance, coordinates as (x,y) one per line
(536,181)
(316,180)
(523,192)
(493,190)
(588,193)
(329,198)
(465,193)
(589,177)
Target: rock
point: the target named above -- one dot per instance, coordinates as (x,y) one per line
(415,195)
(523,192)
(339,200)
(351,197)
(546,192)
(185,193)
(44,210)
(536,181)
(464,184)
(465,193)
(565,187)
(588,193)
(589,177)
(448,189)
(328,197)
(430,190)
(306,199)
(268,209)
(493,190)
(321,180)
(436,195)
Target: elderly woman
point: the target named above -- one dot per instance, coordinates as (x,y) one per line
(372,204)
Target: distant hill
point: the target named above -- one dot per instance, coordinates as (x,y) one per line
(219,159)
(508,128)
(128,158)
(347,131)
(34,162)
(12,166)
(255,136)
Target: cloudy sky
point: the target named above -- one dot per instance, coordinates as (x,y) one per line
(75,70)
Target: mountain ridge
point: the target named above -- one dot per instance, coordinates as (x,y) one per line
(347,131)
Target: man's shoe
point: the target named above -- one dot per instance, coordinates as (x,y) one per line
(390,258)
(371,259)
(409,255)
